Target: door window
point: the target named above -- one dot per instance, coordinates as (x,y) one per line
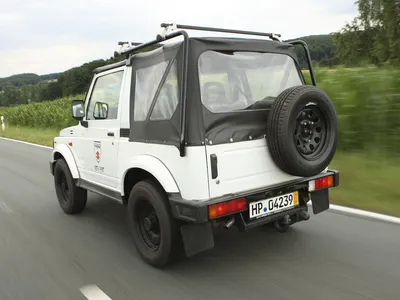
(104,100)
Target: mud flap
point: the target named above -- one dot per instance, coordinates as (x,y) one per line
(197,238)
(320,201)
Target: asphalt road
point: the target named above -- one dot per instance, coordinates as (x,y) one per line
(45,254)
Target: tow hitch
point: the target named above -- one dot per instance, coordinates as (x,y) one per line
(283,224)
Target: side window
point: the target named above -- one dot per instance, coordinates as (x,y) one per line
(147,81)
(168,98)
(104,100)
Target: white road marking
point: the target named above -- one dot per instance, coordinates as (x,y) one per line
(338,208)
(361,213)
(5,208)
(93,292)
(364,213)
(26,143)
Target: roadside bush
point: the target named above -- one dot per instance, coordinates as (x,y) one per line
(54,114)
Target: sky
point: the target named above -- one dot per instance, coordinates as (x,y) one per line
(47,36)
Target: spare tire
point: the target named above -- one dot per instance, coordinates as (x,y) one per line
(302,131)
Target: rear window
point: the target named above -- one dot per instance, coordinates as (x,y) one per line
(243,80)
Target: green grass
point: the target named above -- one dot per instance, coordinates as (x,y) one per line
(367,182)
(32,135)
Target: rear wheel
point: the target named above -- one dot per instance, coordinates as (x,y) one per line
(154,230)
(71,198)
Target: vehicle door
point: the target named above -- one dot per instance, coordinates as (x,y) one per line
(100,139)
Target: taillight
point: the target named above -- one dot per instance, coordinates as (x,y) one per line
(321,183)
(226,208)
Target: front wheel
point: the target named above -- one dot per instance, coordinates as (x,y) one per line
(71,198)
(154,231)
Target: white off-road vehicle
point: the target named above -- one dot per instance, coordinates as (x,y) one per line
(200,133)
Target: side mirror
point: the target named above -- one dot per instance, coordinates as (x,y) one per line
(78,110)
(100,110)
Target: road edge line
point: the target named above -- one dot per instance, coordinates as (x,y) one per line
(26,143)
(364,213)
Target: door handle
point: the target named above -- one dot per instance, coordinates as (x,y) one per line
(110,133)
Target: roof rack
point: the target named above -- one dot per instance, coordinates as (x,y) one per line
(170,31)
(172,26)
(128,46)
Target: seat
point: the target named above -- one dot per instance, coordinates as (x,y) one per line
(214,97)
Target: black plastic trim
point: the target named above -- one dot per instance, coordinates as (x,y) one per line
(98,189)
(124,132)
(214,166)
(196,210)
(85,124)
(244,225)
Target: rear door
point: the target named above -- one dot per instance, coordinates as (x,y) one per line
(230,84)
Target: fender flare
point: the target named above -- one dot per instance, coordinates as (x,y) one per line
(156,168)
(66,152)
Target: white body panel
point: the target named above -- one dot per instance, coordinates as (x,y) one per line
(95,139)
(187,175)
(69,157)
(243,166)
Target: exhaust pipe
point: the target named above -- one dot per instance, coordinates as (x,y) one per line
(229,223)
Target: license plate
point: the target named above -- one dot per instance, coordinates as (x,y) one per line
(273,205)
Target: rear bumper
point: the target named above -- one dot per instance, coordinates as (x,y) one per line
(197,211)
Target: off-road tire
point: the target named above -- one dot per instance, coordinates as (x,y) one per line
(288,108)
(73,199)
(149,196)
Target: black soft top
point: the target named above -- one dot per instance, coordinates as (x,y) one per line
(202,126)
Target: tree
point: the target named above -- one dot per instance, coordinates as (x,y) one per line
(373,36)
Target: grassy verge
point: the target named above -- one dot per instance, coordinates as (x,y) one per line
(366,181)
(32,135)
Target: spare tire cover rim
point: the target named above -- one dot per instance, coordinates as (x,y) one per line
(310,131)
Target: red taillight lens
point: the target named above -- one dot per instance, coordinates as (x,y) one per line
(226,208)
(321,183)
